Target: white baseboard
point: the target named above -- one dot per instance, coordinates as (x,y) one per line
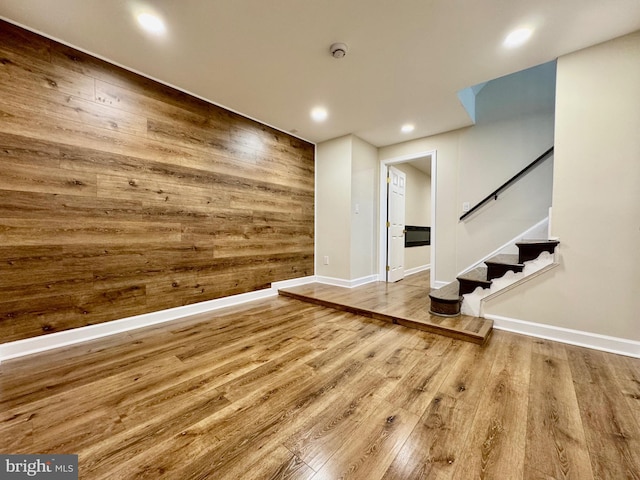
(28,346)
(339,282)
(437,284)
(294,282)
(620,346)
(421,268)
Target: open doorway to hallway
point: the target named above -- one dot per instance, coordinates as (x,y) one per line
(420,170)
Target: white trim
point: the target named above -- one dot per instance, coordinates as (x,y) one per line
(516,284)
(432,234)
(315,209)
(28,346)
(438,284)
(133,70)
(294,282)
(382,250)
(605,343)
(506,245)
(339,282)
(413,271)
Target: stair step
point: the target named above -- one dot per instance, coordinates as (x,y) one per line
(499,265)
(473,279)
(446,301)
(531,249)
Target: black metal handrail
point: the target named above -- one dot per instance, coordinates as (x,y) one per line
(496,192)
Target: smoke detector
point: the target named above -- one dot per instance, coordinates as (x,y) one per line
(338,50)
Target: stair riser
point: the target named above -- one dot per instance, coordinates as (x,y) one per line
(446,309)
(531,251)
(499,271)
(468,286)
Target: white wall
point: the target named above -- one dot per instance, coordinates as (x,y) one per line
(417,212)
(446,145)
(347,175)
(514,126)
(596,199)
(364,195)
(333,210)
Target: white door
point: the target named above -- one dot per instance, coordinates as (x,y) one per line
(395,224)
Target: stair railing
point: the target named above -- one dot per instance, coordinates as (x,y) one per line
(494,195)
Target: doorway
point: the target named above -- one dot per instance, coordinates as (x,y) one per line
(396,231)
(428,159)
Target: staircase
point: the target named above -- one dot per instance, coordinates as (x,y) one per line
(447,301)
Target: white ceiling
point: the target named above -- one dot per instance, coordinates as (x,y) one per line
(269,59)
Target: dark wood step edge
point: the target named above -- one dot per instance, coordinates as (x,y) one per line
(531,249)
(467,336)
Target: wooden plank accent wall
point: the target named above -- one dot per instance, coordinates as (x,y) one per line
(120,196)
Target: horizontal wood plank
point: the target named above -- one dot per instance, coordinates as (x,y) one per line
(283,387)
(120,196)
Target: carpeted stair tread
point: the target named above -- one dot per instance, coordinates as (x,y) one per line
(447,294)
(504,259)
(478,275)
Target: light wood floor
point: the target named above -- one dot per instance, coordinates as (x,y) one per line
(284,389)
(405,302)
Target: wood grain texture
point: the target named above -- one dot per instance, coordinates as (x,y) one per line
(556,445)
(285,389)
(120,196)
(611,426)
(405,303)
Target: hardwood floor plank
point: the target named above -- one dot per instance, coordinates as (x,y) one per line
(335,354)
(280,388)
(318,437)
(495,445)
(16,431)
(627,376)
(276,463)
(420,384)
(259,378)
(367,453)
(401,356)
(104,458)
(220,440)
(428,451)
(85,363)
(74,431)
(404,303)
(437,444)
(611,428)
(556,444)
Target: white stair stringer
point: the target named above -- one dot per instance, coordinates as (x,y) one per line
(472,302)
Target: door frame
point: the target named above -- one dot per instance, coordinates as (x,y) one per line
(382,241)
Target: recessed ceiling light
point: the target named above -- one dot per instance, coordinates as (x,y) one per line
(407,128)
(151,23)
(319,114)
(517,37)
